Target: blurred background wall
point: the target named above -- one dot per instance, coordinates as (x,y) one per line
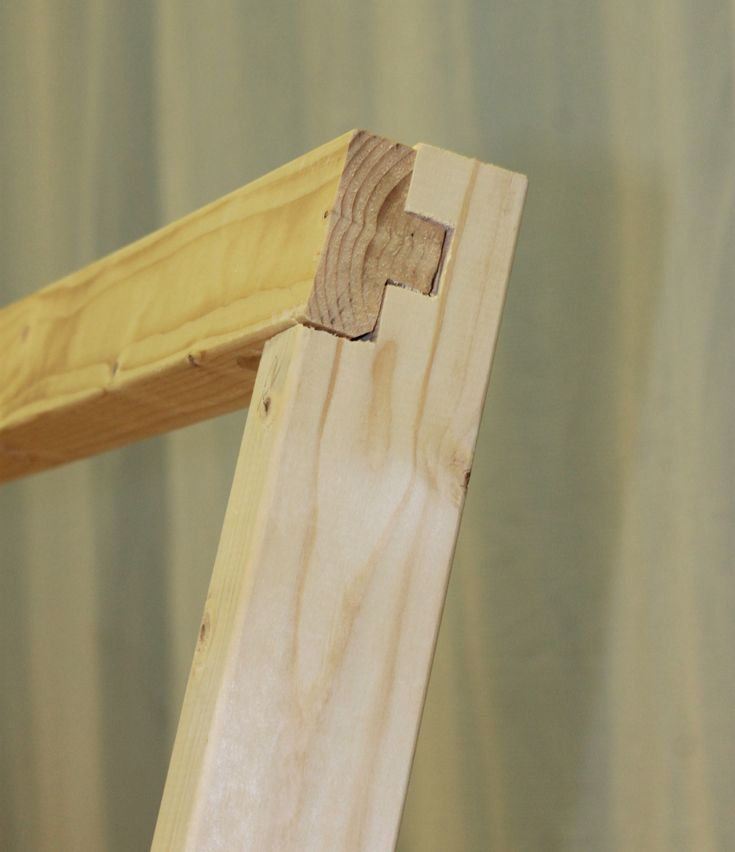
(582,697)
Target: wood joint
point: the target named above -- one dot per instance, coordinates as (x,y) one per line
(371,240)
(170,329)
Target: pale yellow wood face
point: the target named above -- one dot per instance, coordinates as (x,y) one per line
(168,330)
(305,695)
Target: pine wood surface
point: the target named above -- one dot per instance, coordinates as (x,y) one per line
(303,703)
(170,329)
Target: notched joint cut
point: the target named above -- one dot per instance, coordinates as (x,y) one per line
(372,241)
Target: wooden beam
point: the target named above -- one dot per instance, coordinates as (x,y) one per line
(170,330)
(304,698)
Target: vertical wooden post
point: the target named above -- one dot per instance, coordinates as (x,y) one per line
(305,694)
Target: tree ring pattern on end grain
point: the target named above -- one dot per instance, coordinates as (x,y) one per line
(372,240)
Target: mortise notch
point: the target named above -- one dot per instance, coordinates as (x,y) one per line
(372,240)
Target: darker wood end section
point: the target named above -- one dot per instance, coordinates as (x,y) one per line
(371,240)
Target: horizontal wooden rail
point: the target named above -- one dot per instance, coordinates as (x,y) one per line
(170,330)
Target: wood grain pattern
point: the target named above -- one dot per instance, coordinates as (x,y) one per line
(304,698)
(170,330)
(372,239)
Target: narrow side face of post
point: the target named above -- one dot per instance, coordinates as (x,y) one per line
(305,695)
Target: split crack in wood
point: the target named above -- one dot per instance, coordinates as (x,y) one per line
(372,241)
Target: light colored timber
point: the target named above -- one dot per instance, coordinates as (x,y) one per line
(303,703)
(170,329)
